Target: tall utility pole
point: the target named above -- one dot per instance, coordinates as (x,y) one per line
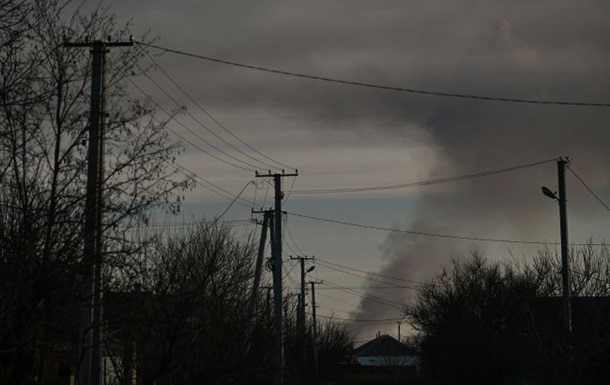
(560,197)
(565,259)
(314,323)
(89,368)
(259,261)
(562,163)
(276,252)
(301,314)
(257,275)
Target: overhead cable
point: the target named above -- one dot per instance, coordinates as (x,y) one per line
(424,183)
(331,297)
(392,287)
(254,167)
(588,188)
(286,227)
(370,297)
(214,187)
(362,276)
(209,115)
(437,235)
(198,105)
(172,117)
(367,272)
(381,320)
(233,202)
(379,86)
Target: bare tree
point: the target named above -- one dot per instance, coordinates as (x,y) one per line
(43,121)
(589,266)
(489,322)
(335,343)
(472,319)
(197,287)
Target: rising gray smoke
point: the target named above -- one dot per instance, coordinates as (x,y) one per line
(477,136)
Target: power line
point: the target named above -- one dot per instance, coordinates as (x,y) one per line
(171,79)
(202,125)
(423,183)
(183,170)
(288,194)
(379,86)
(180,225)
(438,235)
(232,202)
(589,188)
(266,192)
(290,278)
(292,239)
(392,287)
(285,239)
(369,297)
(202,149)
(293,265)
(172,117)
(421,233)
(334,309)
(207,113)
(367,272)
(359,276)
(214,187)
(382,320)
(293,251)
(333,298)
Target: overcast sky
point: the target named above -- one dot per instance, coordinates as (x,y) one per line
(347,136)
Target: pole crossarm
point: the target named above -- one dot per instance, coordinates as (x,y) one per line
(92,44)
(270,175)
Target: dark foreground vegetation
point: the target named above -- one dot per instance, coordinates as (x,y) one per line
(486,322)
(176,307)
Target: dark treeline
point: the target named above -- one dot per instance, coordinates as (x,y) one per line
(486,322)
(176,308)
(182,311)
(44,105)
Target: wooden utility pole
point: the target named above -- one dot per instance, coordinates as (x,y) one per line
(259,261)
(561,197)
(90,357)
(276,252)
(252,310)
(565,246)
(301,324)
(562,163)
(314,323)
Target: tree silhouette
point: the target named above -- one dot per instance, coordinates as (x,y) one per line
(44,105)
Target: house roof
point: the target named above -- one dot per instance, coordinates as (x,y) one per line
(383,346)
